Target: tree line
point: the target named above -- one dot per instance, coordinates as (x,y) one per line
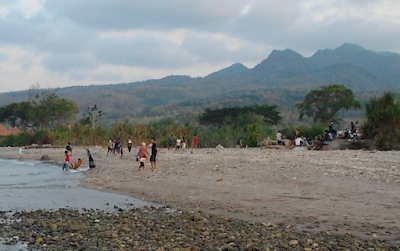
(48,119)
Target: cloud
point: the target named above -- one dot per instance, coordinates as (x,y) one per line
(72,42)
(3,56)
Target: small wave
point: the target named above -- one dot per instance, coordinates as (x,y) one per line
(38,173)
(78,170)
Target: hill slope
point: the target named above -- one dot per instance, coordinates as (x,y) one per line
(282,79)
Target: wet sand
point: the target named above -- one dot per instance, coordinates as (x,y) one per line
(336,192)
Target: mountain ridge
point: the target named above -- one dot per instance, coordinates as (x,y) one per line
(282,79)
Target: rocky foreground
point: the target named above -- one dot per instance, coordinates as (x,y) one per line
(163,229)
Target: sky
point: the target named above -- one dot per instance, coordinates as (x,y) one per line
(59,43)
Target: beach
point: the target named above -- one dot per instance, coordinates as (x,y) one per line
(334,192)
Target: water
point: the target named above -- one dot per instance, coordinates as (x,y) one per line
(35,185)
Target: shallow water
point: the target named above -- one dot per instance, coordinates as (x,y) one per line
(35,185)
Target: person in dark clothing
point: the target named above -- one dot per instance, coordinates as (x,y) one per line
(91,161)
(153,153)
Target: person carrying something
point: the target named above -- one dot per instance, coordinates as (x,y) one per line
(142,155)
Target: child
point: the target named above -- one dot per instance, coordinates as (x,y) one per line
(66,162)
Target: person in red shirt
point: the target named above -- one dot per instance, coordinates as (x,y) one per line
(66,162)
(195,141)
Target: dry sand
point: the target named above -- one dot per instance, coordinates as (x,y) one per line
(340,191)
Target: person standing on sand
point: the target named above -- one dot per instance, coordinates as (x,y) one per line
(129,145)
(153,154)
(178,144)
(66,161)
(109,147)
(278,136)
(170,142)
(142,155)
(194,141)
(91,161)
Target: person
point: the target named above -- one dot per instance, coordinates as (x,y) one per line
(153,154)
(129,145)
(296,133)
(121,151)
(352,127)
(69,148)
(66,161)
(76,165)
(357,128)
(91,161)
(178,144)
(21,157)
(278,136)
(142,155)
(110,146)
(239,143)
(331,129)
(298,141)
(327,136)
(319,143)
(170,142)
(195,141)
(117,145)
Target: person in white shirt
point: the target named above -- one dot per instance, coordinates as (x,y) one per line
(278,136)
(21,157)
(178,144)
(298,141)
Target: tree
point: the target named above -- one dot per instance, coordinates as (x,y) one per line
(21,115)
(44,110)
(240,116)
(383,121)
(323,105)
(93,115)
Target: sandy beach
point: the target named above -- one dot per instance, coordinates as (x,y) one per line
(336,192)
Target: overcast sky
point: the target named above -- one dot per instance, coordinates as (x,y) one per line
(58,43)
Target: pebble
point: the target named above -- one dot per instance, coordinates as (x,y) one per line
(161,229)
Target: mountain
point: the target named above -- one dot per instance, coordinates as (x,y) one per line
(283,79)
(280,61)
(233,70)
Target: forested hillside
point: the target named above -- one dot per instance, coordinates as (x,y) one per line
(282,79)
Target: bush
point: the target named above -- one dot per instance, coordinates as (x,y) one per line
(383,122)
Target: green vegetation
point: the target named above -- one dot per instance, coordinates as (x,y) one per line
(383,122)
(324,104)
(48,119)
(45,110)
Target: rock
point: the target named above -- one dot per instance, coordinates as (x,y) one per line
(219,146)
(265,142)
(45,158)
(287,142)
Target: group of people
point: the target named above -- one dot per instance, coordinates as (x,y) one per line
(143,154)
(116,147)
(69,165)
(328,135)
(180,143)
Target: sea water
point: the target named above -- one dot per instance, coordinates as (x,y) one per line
(30,185)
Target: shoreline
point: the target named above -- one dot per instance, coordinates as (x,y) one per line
(337,192)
